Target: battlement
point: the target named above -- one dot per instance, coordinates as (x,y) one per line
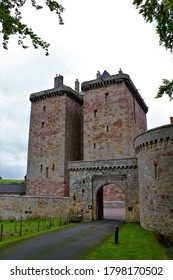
(153,138)
(59,90)
(62,90)
(108,80)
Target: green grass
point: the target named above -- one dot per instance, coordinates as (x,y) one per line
(11,181)
(135,243)
(12,230)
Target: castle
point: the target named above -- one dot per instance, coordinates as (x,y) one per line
(90,144)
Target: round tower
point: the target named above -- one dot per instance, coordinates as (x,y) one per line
(154,149)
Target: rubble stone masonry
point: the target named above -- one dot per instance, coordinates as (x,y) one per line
(27,207)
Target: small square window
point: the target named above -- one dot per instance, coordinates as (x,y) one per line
(106,95)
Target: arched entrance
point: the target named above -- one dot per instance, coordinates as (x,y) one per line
(110,202)
(87,182)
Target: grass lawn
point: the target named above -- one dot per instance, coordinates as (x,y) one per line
(11,181)
(15,230)
(135,243)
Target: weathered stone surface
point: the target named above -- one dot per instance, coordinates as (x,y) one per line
(112,119)
(17,207)
(55,132)
(155,163)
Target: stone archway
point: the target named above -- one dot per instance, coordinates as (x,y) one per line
(110,202)
(87,180)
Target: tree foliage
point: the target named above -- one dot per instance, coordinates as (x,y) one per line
(11,22)
(166,88)
(160,12)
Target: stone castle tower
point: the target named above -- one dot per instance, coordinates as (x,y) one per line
(113,115)
(54,138)
(66,126)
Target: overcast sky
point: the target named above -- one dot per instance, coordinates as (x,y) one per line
(97,35)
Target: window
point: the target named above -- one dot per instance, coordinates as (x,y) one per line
(41,168)
(156,175)
(44,108)
(106,95)
(107,128)
(42,124)
(53,167)
(94,145)
(95,113)
(47,172)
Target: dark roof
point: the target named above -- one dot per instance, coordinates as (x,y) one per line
(12,189)
(105,74)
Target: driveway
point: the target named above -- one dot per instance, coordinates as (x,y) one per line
(71,243)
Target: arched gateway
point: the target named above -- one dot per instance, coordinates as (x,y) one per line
(110,201)
(86,184)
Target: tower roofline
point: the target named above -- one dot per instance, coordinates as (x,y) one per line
(61,90)
(115,79)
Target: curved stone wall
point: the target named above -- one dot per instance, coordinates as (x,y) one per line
(154,149)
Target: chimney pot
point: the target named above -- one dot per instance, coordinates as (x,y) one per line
(98,75)
(77,86)
(58,81)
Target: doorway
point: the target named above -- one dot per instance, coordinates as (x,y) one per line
(110,201)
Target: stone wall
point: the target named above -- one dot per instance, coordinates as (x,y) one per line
(17,207)
(155,164)
(113,196)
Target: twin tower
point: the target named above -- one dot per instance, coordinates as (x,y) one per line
(98,123)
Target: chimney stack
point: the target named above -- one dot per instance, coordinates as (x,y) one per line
(98,76)
(120,71)
(171,120)
(58,81)
(77,86)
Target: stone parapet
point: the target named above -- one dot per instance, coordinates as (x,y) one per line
(112,80)
(154,137)
(54,92)
(103,164)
